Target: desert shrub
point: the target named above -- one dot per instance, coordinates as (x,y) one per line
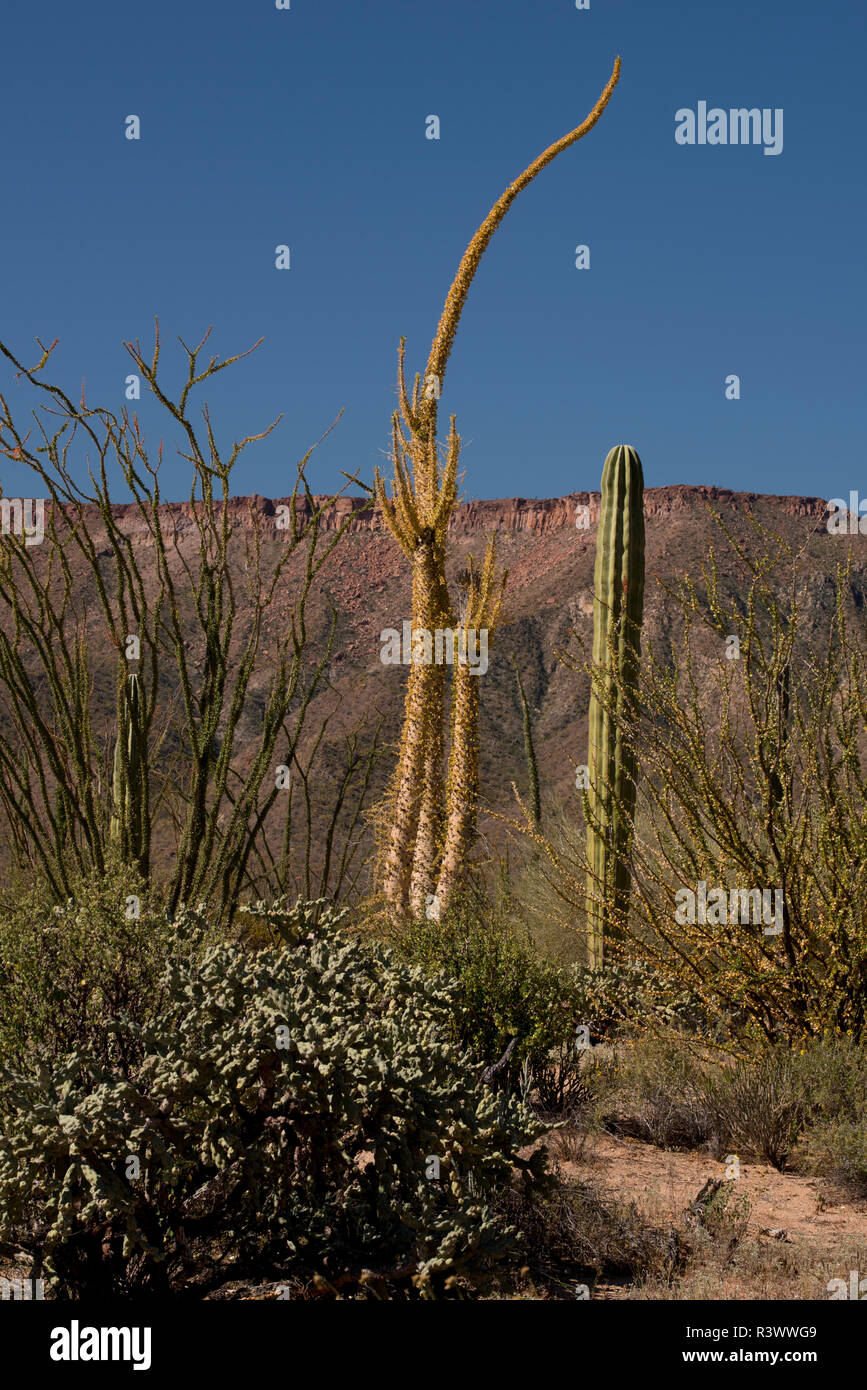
(834,1074)
(719,1213)
(837,1149)
(763,1106)
(657,1091)
(67,969)
(503,990)
(833,1069)
(580,1234)
(760,1107)
(565,1082)
(576,1234)
(290,1113)
(227,687)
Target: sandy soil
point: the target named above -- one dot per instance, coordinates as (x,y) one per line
(664,1183)
(801,1231)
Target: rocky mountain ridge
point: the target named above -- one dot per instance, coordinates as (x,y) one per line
(539,515)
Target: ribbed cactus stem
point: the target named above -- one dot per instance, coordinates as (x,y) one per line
(617,613)
(127,823)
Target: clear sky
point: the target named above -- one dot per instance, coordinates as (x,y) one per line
(307,127)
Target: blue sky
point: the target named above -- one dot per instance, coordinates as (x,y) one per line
(307,127)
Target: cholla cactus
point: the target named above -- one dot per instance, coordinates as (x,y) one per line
(284,1105)
(423,495)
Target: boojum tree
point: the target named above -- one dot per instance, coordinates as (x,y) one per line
(417,514)
(423,495)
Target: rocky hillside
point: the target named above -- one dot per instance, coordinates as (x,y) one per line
(549,598)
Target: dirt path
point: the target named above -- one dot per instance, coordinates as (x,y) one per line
(800,1234)
(663,1184)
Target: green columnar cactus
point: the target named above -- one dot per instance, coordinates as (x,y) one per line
(127,825)
(618,607)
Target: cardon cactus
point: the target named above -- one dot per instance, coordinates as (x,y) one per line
(127,798)
(618,607)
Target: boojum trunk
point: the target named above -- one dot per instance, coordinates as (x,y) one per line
(463,783)
(416,800)
(483,614)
